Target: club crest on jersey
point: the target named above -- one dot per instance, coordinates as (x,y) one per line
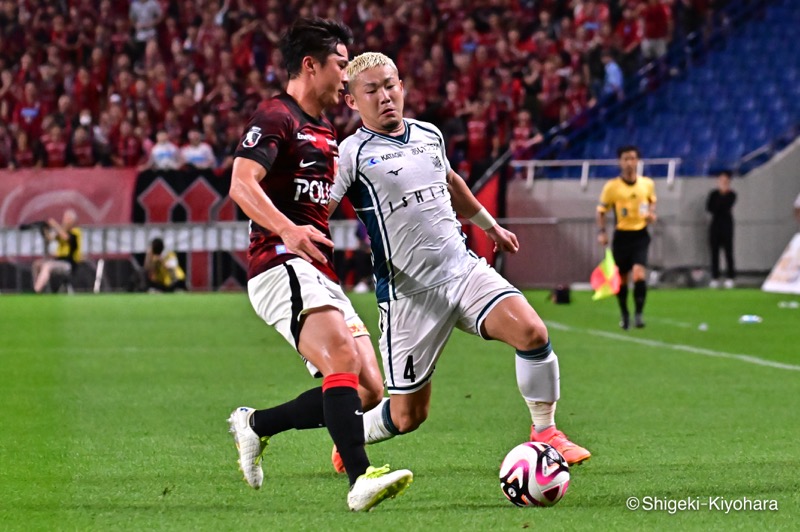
(252,137)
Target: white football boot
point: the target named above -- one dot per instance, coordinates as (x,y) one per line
(377,485)
(251,447)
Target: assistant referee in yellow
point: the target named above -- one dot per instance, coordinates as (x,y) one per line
(633,199)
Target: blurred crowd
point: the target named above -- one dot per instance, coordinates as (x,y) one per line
(165,84)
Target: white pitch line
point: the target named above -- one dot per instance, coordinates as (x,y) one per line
(676,347)
(676,323)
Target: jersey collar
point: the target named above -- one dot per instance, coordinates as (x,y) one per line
(400,139)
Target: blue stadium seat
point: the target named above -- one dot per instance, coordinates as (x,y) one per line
(735,99)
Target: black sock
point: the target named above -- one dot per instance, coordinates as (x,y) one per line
(622,297)
(345,422)
(639,295)
(304,412)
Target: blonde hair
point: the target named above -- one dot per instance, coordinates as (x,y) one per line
(366,61)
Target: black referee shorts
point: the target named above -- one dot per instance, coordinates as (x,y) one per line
(629,248)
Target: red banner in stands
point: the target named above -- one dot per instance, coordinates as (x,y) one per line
(100,196)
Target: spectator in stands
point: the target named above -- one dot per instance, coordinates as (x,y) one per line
(81,151)
(26,154)
(224,53)
(54,148)
(576,98)
(719,204)
(198,153)
(524,136)
(629,35)
(612,83)
(128,147)
(29,111)
(102,136)
(67,254)
(164,155)
(657,18)
(65,114)
(145,16)
(163,271)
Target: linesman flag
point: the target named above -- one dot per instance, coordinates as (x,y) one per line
(605,278)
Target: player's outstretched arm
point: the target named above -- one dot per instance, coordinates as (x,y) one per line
(467,205)
(248,194)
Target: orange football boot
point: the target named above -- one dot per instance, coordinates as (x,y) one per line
(573,454)
(336,460)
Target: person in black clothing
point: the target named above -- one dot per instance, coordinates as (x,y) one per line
(720,204)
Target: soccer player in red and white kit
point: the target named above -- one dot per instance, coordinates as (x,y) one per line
(282,174)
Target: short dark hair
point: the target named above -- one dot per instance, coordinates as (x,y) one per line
(626,149)
(158,246)
(316,37)
(727,173)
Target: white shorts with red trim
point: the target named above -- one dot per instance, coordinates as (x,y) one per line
(282,295)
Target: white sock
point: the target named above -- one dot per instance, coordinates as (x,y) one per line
(538,380)
(378,424)
(543,414)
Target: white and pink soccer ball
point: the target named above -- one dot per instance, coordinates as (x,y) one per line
(534,474)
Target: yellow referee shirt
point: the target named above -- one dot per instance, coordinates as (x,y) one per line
(631,202)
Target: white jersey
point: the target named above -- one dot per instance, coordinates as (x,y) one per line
(398,187)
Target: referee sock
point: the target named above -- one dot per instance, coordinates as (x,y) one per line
(639,295)
(303,412)
(622,297)
(344,419)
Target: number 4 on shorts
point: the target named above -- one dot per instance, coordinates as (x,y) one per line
(408,373)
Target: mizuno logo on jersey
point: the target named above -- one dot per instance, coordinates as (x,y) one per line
(304,136)
(252,137)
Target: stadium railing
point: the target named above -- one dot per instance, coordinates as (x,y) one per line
(586,166)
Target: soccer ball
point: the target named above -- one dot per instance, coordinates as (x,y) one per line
(534,474)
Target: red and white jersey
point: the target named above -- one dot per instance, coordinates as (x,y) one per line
(300,155)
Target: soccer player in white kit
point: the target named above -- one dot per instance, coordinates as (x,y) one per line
(396,174)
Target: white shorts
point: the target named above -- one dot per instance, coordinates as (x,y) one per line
(415,329)
(282,295)
(59,266)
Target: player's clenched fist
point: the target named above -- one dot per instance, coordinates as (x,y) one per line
(504,240)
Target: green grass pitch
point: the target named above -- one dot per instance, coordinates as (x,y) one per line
(114,406)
